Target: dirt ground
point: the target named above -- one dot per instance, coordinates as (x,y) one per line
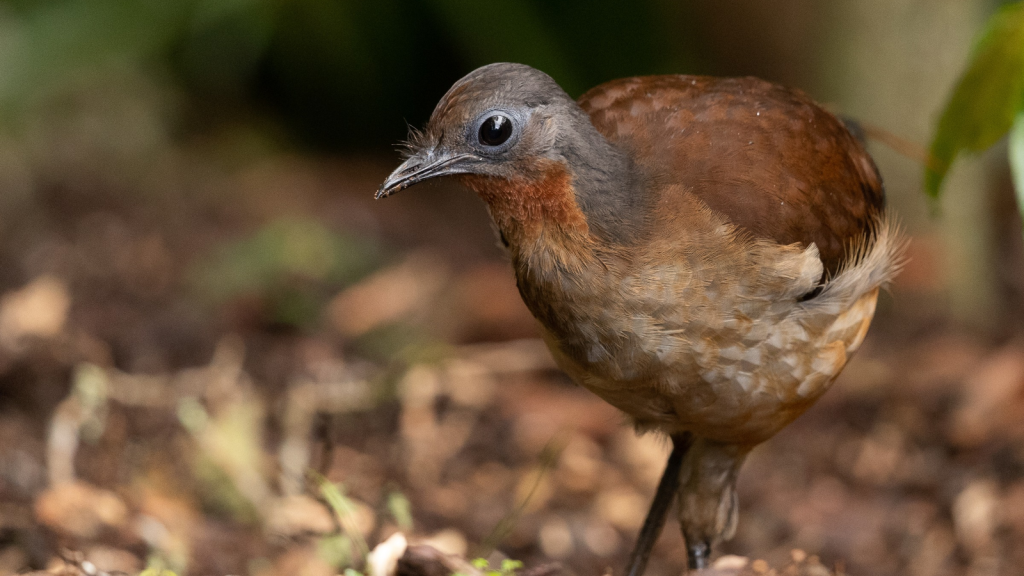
(229,367)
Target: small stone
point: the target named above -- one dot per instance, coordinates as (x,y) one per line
(449,541)
(113,560)
(555,538)
(975,515)
(601,538)
(37,310)
(383,561)
(623,507)
(730,562)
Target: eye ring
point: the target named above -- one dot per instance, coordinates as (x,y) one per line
(495,130)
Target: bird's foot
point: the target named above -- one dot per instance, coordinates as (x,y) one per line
(698,554)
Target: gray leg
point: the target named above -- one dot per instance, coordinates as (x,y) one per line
(697,554)
(655,521)
(708,506)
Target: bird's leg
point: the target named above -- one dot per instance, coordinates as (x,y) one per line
(708,504)
(655,521)
(697,554)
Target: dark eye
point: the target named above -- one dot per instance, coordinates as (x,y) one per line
(495,131)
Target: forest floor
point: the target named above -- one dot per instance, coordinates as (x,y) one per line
(257,369)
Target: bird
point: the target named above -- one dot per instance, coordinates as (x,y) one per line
(703,253)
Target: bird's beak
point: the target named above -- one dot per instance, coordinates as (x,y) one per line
(423,165)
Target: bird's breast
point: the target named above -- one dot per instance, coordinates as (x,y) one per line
(720,347)
(522,206)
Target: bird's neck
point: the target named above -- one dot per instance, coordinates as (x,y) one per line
(584,194)
(558,216)
(531,208)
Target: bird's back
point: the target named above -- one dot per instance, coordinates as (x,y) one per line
(766,158)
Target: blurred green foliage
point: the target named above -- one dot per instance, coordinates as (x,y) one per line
(507,567)
(349,546)
(401,510)
(293,265)
(156,570)
(987,99)
(340,73)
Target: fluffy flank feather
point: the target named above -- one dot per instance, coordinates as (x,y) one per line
(874,262)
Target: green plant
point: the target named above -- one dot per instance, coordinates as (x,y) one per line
(341,549)
(508,567)
(156,572)
(987,103)
(156,567)
(400,509)
(548,458)
(293,264)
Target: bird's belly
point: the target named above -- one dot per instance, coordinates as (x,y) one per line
(736,381)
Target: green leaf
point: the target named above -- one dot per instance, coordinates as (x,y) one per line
(508,565)
(344,511)
(401,510)
(1017,160)
(335,550)
(156,567)
(987,98)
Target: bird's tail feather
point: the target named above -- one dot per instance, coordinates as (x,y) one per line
(875,260)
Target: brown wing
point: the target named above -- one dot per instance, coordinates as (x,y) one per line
(768,158)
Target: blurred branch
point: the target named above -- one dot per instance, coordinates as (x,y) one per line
(903,146)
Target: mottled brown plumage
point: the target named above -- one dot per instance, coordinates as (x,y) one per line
(704,254)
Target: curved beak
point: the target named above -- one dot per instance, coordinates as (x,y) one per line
(421,166)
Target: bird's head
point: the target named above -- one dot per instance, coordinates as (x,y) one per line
(511,134)
(502,120)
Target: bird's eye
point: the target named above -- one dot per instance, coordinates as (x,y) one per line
(496,130)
